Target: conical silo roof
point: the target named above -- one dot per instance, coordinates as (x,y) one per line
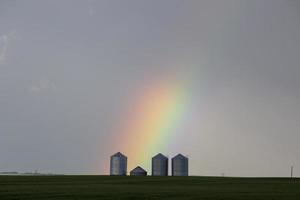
(160,156)
(119,154)
(138,169)
(179,156)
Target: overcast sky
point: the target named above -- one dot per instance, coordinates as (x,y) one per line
(68,68)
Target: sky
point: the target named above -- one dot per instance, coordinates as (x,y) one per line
(215,80)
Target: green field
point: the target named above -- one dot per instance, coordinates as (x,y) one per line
(105,187)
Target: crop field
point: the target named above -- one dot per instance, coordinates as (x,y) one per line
(106,187)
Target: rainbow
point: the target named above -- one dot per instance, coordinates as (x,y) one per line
(152,120)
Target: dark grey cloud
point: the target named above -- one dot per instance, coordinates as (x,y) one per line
(69,68)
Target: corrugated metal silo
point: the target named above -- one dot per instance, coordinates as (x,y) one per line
(138,171)
(180,165)
(118,164)
(160,165)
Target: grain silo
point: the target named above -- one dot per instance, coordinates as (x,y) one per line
(138,171)
(118,164)
(180,165)
(159,165)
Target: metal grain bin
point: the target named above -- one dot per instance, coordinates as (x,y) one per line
(118,164)
(138,171)
(160,165)
(180,165)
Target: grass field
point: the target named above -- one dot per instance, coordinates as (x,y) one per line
(105,187)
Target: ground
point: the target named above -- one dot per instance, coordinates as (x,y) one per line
(121,188)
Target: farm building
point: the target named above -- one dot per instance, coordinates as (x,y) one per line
(160,165)
(118,164)
(180,165)
(138,171)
